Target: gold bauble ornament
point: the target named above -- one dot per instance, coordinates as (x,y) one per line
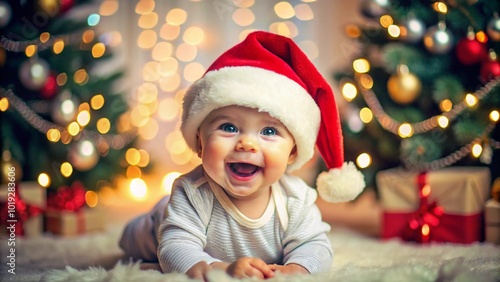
(495,190)
(403,87)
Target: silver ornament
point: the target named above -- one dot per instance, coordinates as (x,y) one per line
(438,39)
(415,29)
(64,108)
(486,155)
(83,155)
(374,8)
(493,29)
(33,73)
(5,14)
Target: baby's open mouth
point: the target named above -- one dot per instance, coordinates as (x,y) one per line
(243,169)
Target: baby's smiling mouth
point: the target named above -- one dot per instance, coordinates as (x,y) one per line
(243,169)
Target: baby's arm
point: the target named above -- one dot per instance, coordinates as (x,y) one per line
(241,268)
(199,271)
(305,242)
(181,236)
(291,268)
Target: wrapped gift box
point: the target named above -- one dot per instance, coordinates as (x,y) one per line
(492,221)
(34,198)
(449,202)
(71,223)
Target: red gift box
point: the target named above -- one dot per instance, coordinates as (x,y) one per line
(22,206)
(445,205)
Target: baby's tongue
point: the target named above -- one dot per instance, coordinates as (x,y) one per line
(244,169)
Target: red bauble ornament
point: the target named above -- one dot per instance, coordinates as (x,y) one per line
(470,51)
(49,89)
(65,5)
(490,69)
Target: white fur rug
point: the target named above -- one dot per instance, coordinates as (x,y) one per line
(95,257)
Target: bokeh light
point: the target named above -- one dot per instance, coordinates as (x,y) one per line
(168,181)
(243,17)
(284,10)
(147,39)
(176,16)
(138,188)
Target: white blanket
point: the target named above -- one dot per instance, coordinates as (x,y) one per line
(95,257)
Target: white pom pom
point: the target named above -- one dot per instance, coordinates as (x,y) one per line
(340,184)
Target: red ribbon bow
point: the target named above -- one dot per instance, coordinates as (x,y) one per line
(17,212)
(425,218)
(421,222)
(67,198)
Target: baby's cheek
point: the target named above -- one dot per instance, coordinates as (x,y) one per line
(277,160)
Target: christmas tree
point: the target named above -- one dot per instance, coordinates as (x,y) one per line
(62,122)
(424,86)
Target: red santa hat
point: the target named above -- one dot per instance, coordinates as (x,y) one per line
(269,72)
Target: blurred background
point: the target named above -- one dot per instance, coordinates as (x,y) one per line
(91,91)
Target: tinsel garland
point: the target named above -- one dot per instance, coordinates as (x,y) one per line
(392,125)
(116,141)
(20,46)
(453,157)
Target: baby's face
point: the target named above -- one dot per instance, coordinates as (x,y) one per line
(245,151)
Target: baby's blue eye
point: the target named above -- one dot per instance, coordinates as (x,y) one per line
(228,127)
(269,131)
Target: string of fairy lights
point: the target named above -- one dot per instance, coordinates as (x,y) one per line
(479,147)
(406,130)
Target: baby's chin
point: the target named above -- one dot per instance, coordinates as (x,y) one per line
(238,191)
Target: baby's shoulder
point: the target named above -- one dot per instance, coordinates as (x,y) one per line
(296,189)
(193,179)
(193,184)
(193,188)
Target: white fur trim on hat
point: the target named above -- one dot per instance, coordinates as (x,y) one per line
(268,91)
(340,184)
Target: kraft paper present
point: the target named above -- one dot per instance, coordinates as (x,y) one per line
(492,221)
(71,223)
(459,190)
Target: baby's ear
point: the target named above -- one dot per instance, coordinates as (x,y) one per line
(293,155)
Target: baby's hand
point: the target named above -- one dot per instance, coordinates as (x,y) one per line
(199,271)
(291,268)
(249,267)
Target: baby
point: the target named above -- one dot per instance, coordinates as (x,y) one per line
(254,116)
